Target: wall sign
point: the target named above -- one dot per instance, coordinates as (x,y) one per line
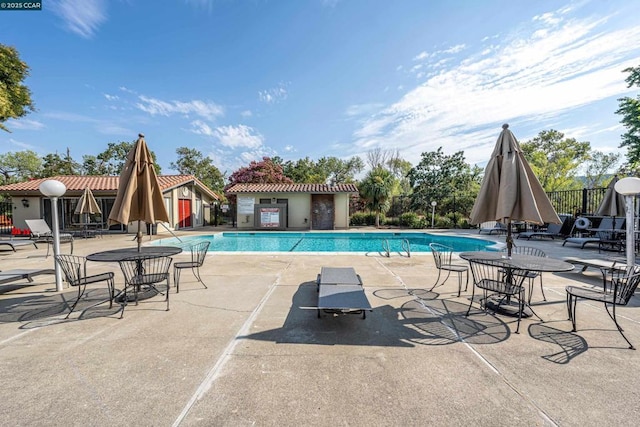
(245,205)
(269,217)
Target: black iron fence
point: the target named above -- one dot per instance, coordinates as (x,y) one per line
(577,202)
(6,218)
(582,202)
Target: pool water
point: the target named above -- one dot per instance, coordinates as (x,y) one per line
(329,242)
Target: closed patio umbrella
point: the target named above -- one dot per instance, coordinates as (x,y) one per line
(612,203)
(139,196)
(510,191)
(87,205)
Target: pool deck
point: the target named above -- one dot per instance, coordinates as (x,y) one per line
(244,352)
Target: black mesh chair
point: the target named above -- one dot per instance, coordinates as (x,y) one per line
(497,277)
(621,287)
(198,254)
(144,272)
(531,275)
(442,256)
(74,269)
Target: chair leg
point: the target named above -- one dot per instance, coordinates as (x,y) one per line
(544,297)
(176,279)
(631,347)
(473,292)
(196,272)
(81,289)
(437,280)
(168,287)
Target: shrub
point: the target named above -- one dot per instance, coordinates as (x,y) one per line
(408,219)
(361,218)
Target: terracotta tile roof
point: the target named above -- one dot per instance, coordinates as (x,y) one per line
(99,184)
(291,188)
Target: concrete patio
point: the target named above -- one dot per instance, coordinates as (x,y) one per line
(243,352)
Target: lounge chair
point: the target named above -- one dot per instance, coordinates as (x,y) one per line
(340,291)
(583,241)
(552,231)
(491,226)
(13,244)
(40,232)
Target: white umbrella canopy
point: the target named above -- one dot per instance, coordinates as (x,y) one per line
(510,191)
(613,203)
(139,196)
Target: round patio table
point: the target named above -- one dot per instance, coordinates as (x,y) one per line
(116,255)
(520,262)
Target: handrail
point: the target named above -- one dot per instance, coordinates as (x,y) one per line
(406,246)
(385,248)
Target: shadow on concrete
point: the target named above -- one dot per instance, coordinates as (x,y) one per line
(571,345)
(416,322)
(26,308)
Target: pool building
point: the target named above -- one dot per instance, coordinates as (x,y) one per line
(291,206)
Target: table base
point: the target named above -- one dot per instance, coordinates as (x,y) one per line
(507,308)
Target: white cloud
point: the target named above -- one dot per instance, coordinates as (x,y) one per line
(273,95)
(111,97)
(201,128)
(82,18)
(238,136)
(554,66)
(289,149)
(153,106)
(24,124)
(246,113)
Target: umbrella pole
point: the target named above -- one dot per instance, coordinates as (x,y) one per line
(509,238)
(139,236)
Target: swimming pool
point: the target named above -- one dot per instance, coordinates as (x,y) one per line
(328,242)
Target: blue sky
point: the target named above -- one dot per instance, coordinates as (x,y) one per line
(242,79)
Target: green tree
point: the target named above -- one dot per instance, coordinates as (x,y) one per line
(111,161)
(556,160)
(19,166)
(376,189)
(599,167)
(15,98)
(304,171)
(445,179)
(629,109)
(191,162)
(54,165)
(327,170)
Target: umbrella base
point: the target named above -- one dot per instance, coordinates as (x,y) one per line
(507,308)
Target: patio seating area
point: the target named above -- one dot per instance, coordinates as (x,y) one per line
(244,351)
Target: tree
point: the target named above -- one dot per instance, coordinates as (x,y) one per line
(263,172)
(598,168)
(19,166)
(446,179)
(191,162)
(111,161)
(54,165)
(376,189)
(630,111)
(327,170)
(556,160)
(15,98)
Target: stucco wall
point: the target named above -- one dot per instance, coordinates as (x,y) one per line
(299,209)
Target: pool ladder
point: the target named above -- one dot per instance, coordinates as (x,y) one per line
(406,248)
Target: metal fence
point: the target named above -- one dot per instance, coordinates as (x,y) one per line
(577,202)
(6,218)
(573,202)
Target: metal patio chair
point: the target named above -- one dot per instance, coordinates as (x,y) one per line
(622,285)
(497,277)
(198,254)
(442,256)
(144,271)
(74,269)
(531,275)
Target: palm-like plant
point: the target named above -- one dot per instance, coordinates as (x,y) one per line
(376,190)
